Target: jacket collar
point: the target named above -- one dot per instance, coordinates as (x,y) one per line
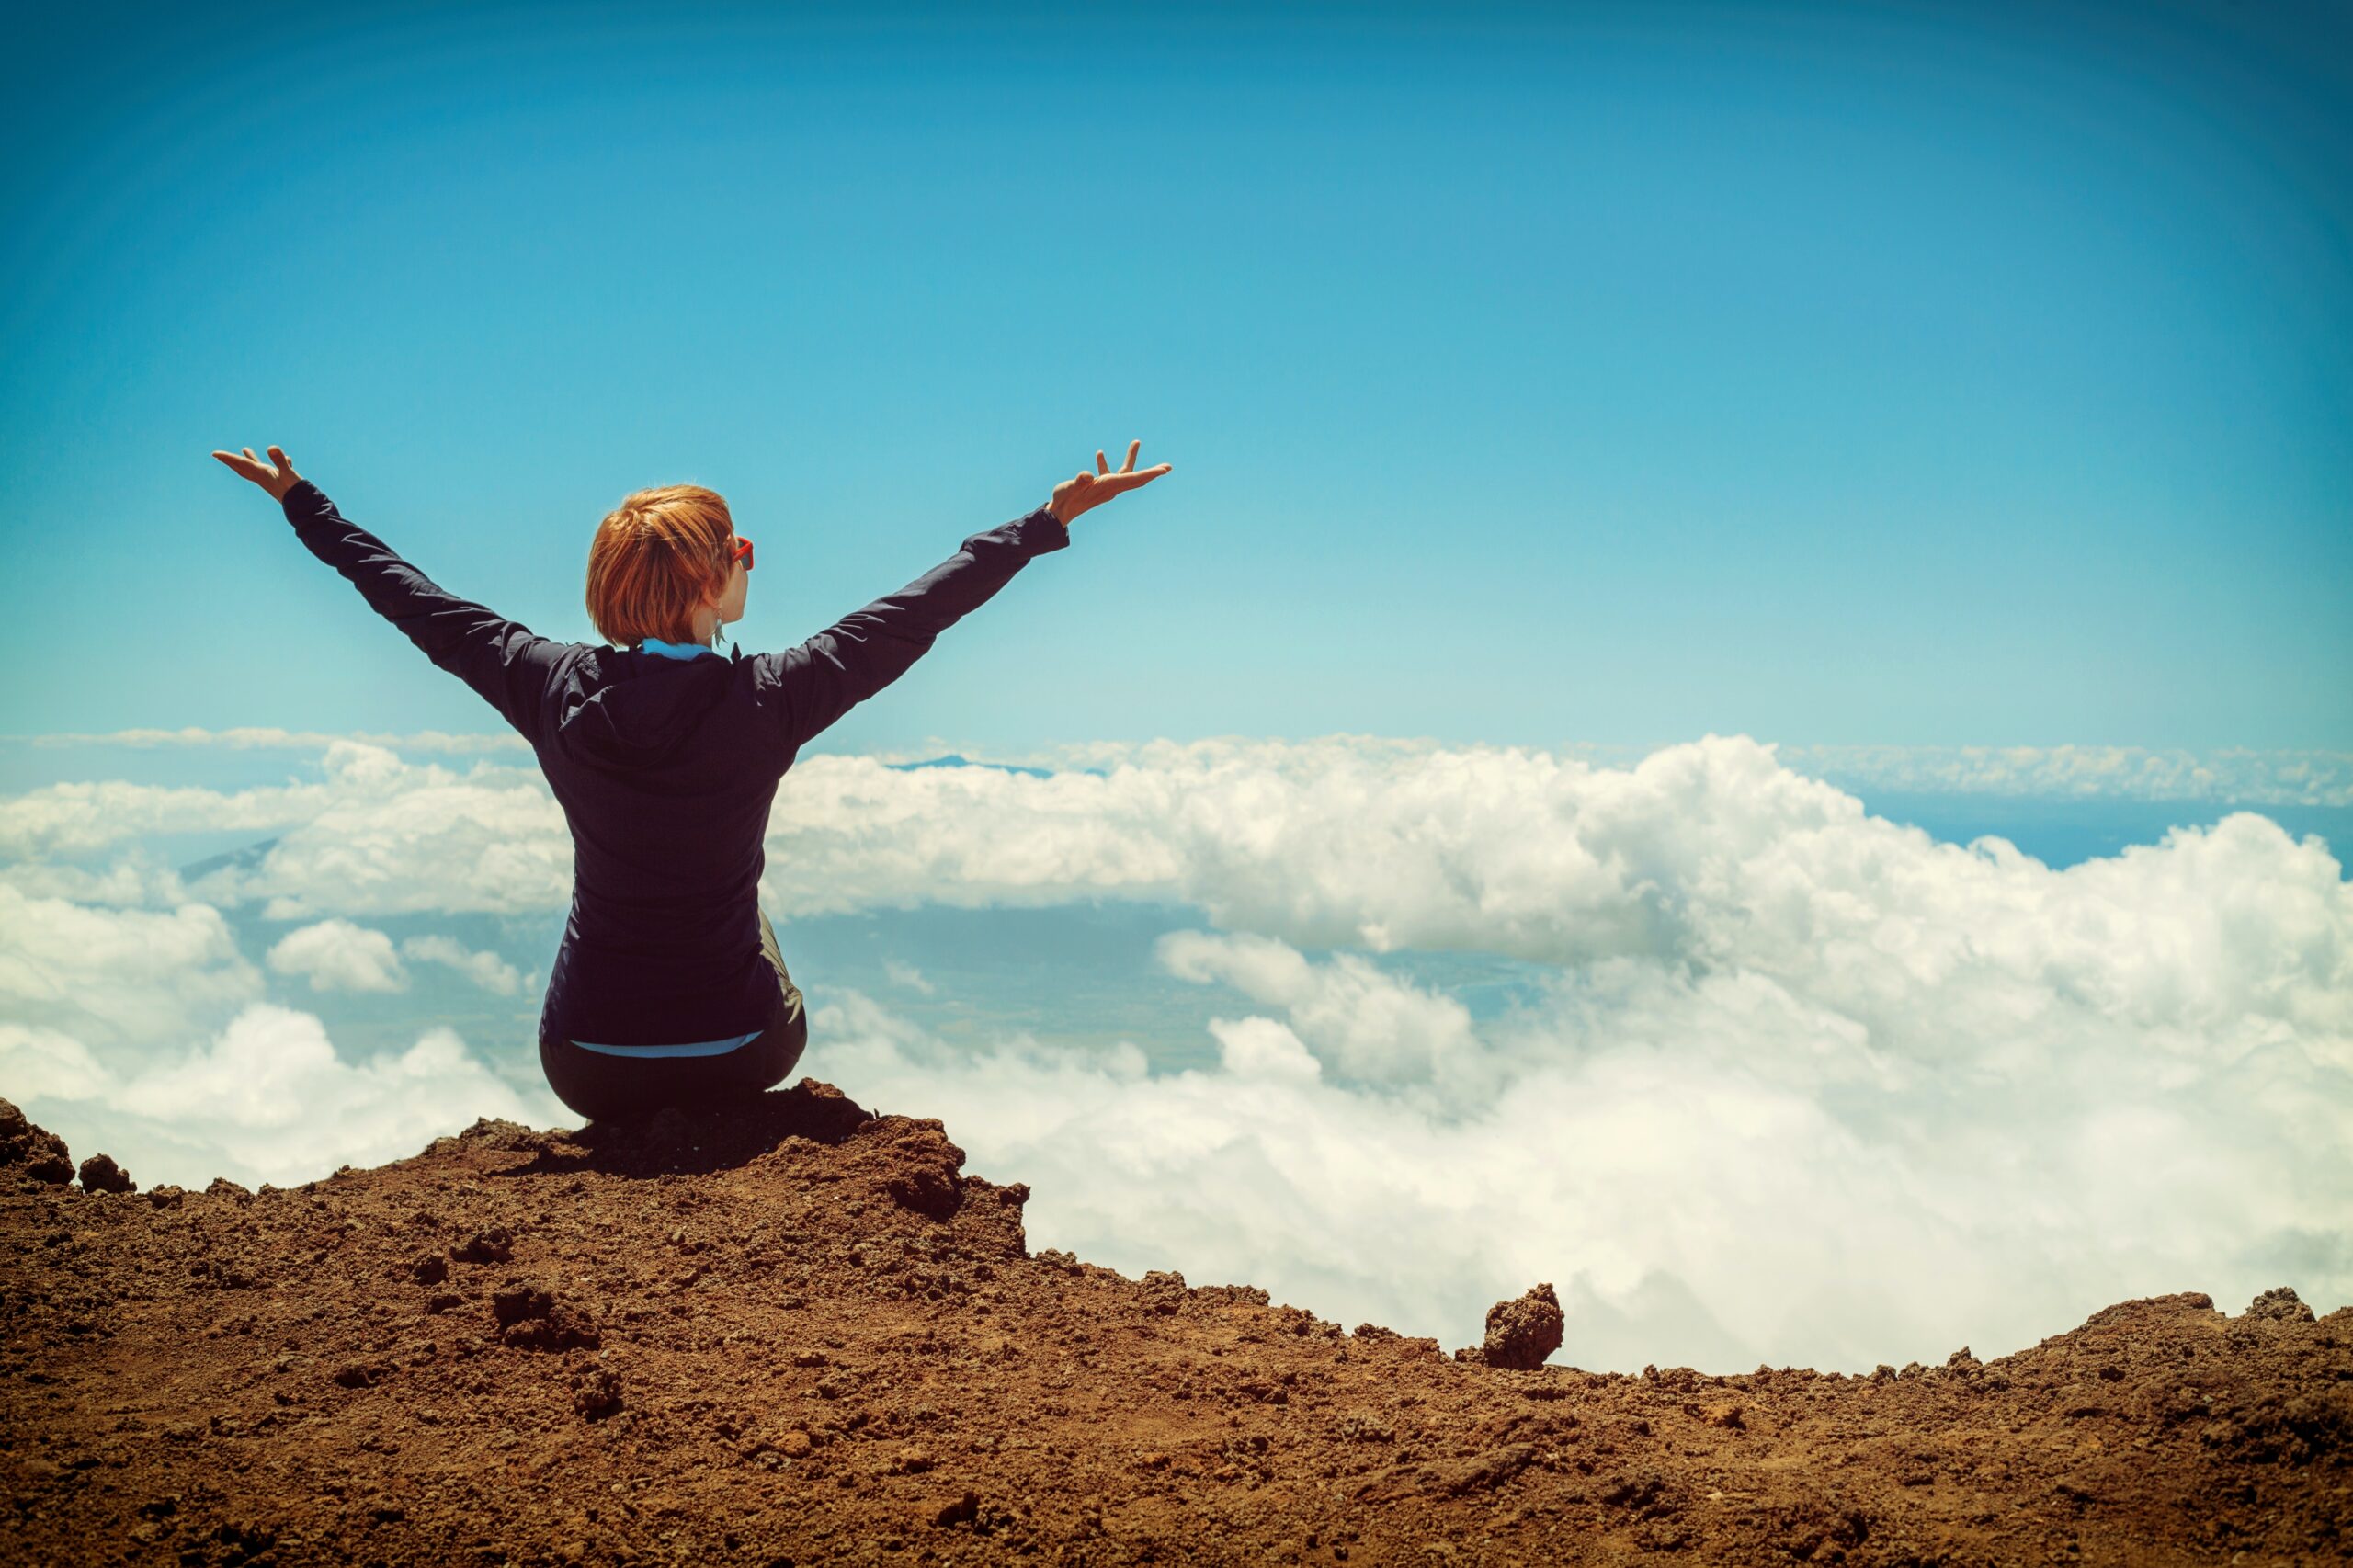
(676,650)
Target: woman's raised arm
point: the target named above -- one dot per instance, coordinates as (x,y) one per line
(507,663)
(823,679)
(815,683)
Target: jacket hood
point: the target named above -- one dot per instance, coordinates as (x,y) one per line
(642,704)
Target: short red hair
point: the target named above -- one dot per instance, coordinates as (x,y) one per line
(658,557)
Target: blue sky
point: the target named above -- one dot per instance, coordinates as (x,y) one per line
(1894,375)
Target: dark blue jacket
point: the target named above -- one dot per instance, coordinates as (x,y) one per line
(666,767)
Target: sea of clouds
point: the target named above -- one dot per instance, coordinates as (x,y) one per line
(1799,1085)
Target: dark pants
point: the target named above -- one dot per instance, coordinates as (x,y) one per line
(605,1088)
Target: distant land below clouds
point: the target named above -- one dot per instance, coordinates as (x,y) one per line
(2244,776)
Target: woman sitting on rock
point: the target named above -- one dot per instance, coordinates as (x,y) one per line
(668,987)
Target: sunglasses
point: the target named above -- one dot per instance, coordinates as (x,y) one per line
(741,552)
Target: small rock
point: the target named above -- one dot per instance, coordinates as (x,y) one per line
(1164,1290)
(1522,1333)
(2278,1304)
(430,1268)
(794,1445)
(100,1173)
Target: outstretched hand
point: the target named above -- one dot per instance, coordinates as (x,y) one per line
(277,481)
(1084,490)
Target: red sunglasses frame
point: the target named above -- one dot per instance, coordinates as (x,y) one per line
(742,551)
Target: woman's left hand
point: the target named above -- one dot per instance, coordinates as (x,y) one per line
(1084,491)
(277,481)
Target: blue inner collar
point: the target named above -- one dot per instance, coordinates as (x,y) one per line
(676,650)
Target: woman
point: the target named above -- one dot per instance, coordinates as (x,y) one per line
(667,988)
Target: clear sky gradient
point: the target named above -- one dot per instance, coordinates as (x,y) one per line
(1895,374)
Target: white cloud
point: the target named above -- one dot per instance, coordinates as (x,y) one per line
(486,970)
(1708,854)
(2241,774)
(2246,776)
(45,1063)
(378,835)
(1557,858)
(116,976)
(133,880)
(1807,1085)
(1367,1024)
(2231,773)
(265,1099)
(1264,1049)
(907,975)
(80,818)
(271,738)
(391,838)
(1714,1170)
(340,956)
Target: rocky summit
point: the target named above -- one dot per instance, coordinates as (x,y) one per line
(799,1332)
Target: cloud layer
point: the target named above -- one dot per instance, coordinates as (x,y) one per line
(1798,1085)
(267,1098)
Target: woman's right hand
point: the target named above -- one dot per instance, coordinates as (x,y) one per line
(277,476)
(1083,490)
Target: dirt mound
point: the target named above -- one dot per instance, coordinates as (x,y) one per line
(798,1334)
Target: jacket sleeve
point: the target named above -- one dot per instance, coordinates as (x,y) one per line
(501,659)
(840,667)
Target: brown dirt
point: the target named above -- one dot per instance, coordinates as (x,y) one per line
(800,1334)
